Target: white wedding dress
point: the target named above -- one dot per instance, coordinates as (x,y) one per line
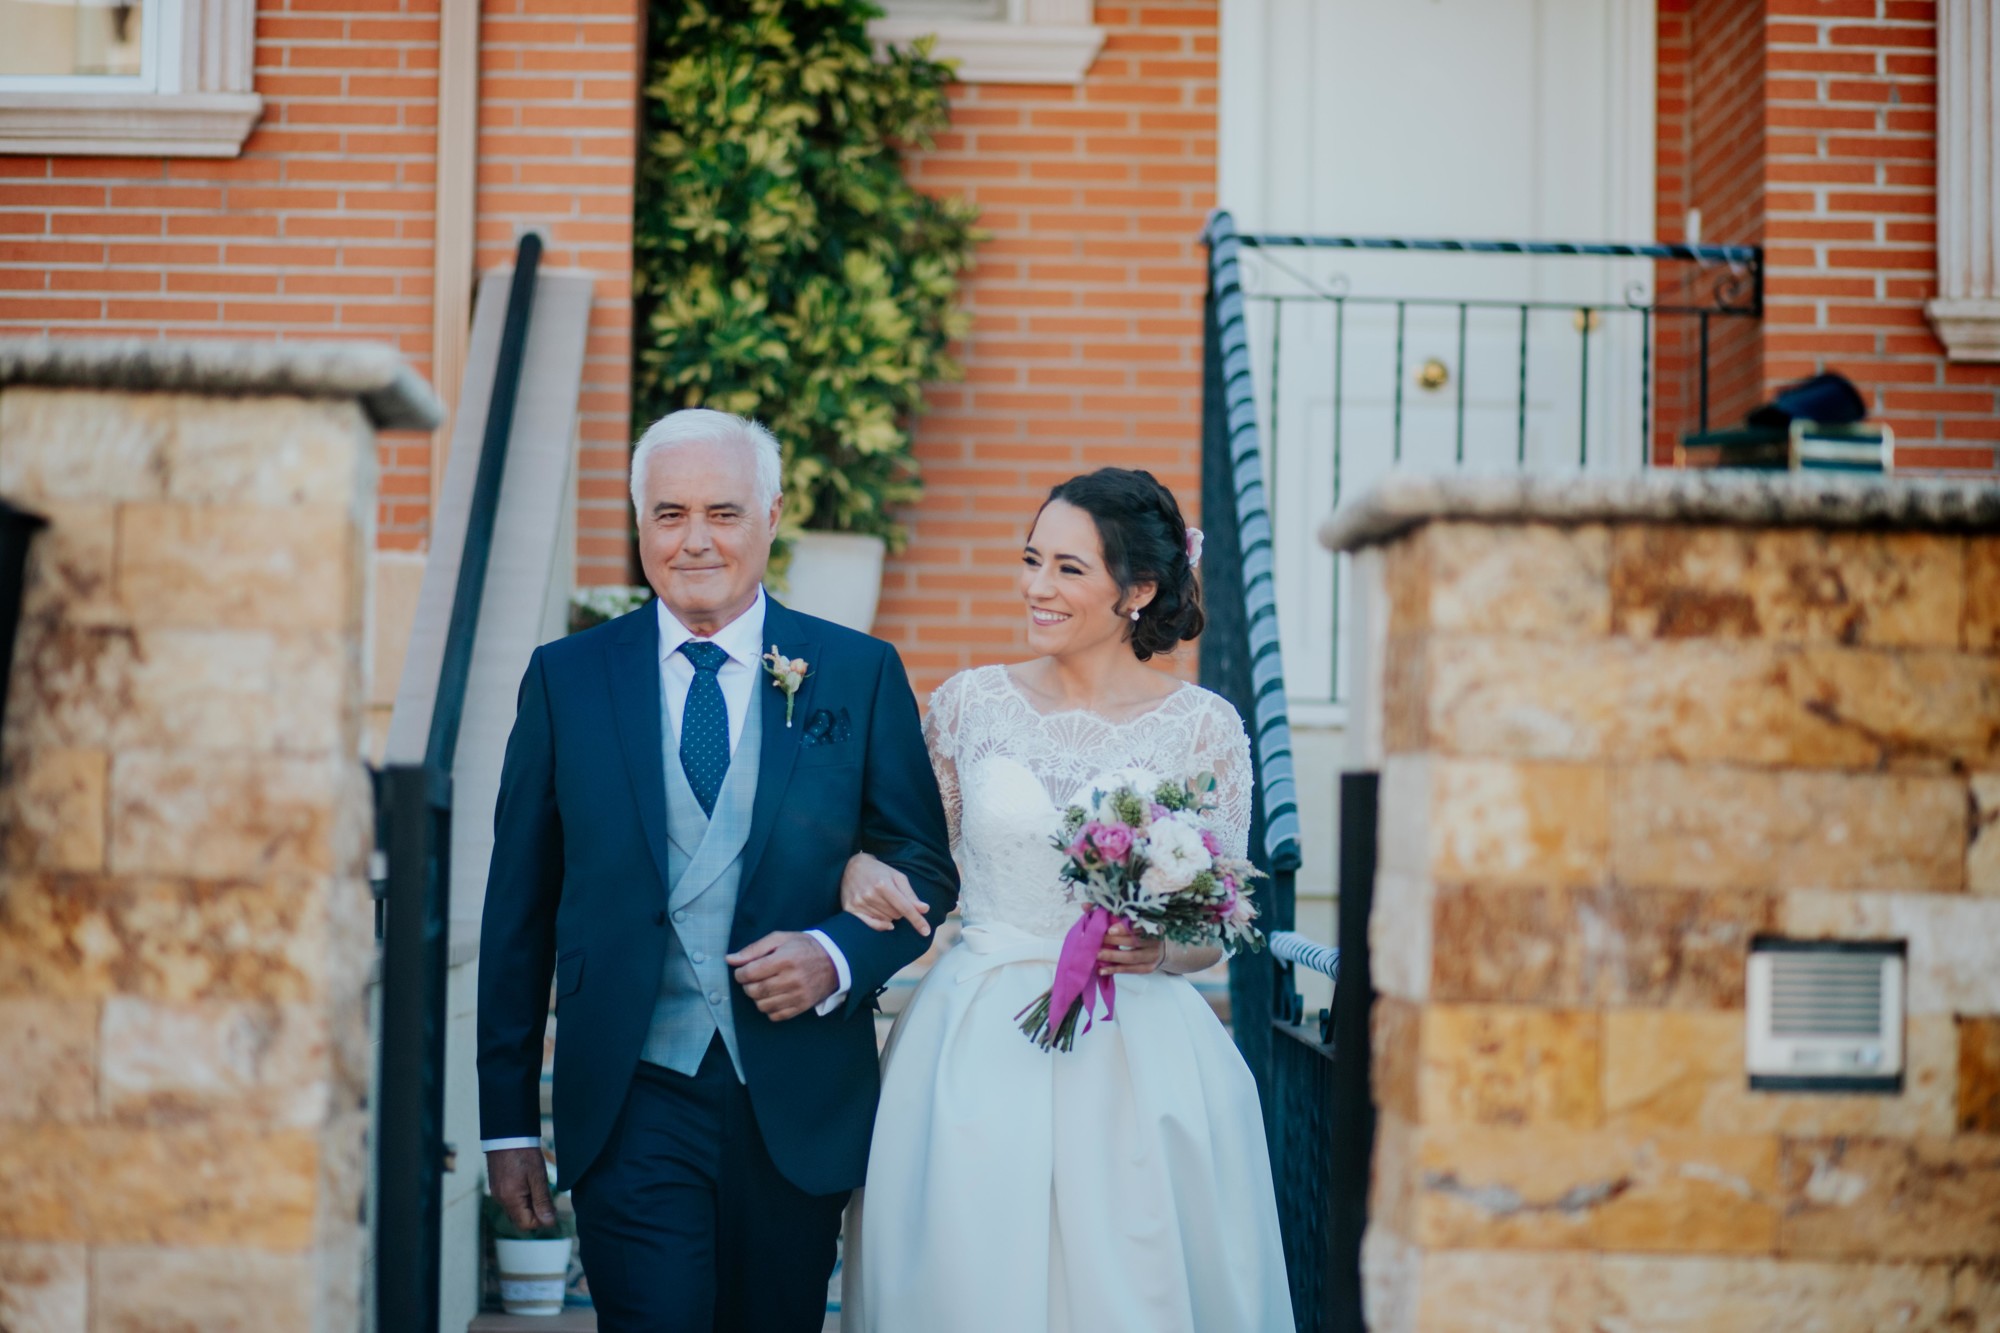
(1121,1187)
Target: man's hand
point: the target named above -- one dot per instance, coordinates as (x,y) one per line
(785,973)
(519,1179)
(879,894)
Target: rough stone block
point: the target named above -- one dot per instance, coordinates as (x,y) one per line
(192,1185)
(1702,827)
(1493,822)
(1594,947)
(217,1060)
(73,684)
(267,451)
(1512,698)
(1982,855)
(1978,1074)
(222,566)
(1534,580)
(1950,938)
(1709,1193)
(1508,1065)
(86,937)
(225,815)
(1982,594)
(1478,1187)
(149,1290)
(1396,1031)
(81,446)
(1921,1198)
(49,1050)
(247,690)
(1400,935)
(72,569)
(1506,1291)
(53,810)
(1730,1295)
(1683,1070)
(44,1289)
(1787,585)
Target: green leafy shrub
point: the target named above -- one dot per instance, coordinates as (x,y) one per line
(785,269)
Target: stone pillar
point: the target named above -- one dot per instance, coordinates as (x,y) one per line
(1623,727)
(185,922)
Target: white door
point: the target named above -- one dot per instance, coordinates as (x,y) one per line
(1466,119)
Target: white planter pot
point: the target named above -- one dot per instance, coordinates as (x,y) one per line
(836,576)
(532,1274)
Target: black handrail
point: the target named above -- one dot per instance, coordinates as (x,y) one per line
(416,804)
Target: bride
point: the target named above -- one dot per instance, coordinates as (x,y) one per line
(1123,1185)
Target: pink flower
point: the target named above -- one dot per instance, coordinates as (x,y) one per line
(1114,841)
(1210,841)
(1160,811)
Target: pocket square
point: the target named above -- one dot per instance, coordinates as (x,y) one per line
(826,727)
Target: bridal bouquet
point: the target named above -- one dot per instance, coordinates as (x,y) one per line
(1137,853)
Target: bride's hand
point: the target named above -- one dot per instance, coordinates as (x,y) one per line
(880,894)
(1126,952)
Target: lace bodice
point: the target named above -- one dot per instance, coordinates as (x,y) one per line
(1006,771)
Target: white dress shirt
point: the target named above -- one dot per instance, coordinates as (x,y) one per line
(743,639)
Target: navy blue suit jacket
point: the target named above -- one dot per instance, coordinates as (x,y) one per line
(578,887)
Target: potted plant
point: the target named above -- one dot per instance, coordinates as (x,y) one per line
(533,1264)
(786,270)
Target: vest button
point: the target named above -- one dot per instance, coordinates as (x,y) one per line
(715,997)
(681,916)
(699,956)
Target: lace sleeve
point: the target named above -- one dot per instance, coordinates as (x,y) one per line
(941,739)
(1223,748)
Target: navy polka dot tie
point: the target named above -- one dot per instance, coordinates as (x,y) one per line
(705,725)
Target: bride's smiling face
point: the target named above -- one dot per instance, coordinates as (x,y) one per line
(1074,603)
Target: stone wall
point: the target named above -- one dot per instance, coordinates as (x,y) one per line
(1614,748)
(185,923)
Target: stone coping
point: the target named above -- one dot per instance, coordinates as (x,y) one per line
(1403,501)
(393,395)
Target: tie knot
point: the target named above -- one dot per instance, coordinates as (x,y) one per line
(707,658)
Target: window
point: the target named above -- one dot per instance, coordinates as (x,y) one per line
(1000,41)
(155,78)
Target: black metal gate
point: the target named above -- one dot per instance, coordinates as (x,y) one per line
(413,832)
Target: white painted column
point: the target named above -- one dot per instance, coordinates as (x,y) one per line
(1966,313)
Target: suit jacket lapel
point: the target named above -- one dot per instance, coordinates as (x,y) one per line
(632,661)
(785,629)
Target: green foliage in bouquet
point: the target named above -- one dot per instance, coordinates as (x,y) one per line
(785,269)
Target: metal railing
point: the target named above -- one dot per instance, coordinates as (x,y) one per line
(1309,1096)
(413,826)
(1596,371)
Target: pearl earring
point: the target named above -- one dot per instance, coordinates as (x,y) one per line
(1135,615)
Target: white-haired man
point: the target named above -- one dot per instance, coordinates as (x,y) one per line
(715,1081)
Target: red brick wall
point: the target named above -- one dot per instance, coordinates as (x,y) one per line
(1086,307)
(1711,137)
(1848,184)
(1852,225)
(322,228)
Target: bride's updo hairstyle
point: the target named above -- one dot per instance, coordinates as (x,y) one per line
(1145,540)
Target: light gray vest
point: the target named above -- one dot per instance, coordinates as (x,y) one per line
(705,861)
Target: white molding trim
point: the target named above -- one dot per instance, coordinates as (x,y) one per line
(1001,50)
(127,124)
(1966,314)
(203,105)
(454,250)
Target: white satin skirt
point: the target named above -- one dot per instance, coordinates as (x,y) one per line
(1121,1187)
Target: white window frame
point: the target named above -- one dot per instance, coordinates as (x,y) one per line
(1037,41)
(192,97)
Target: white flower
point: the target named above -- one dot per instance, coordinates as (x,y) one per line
(1174,852)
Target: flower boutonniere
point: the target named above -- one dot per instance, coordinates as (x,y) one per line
(787,673)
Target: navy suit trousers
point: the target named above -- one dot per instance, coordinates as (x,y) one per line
(687,1227)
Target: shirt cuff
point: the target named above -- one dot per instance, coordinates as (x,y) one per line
(495,1145)
(839,997)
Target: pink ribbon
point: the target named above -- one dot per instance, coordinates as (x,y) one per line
(1076,971)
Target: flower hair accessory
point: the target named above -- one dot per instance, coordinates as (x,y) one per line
(1194,548)
(787,673)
